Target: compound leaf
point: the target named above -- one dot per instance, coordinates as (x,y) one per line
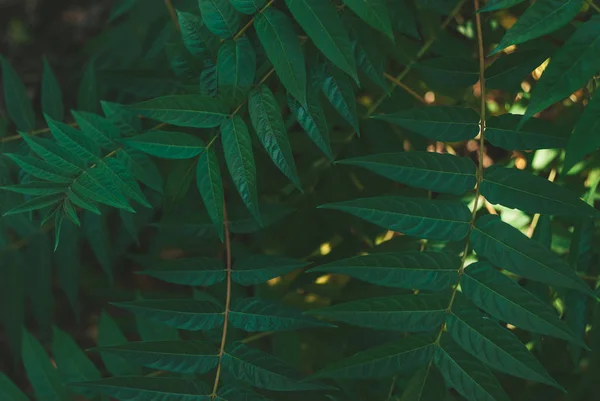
(167,144)
(535,134)
(210,186)
(236,69)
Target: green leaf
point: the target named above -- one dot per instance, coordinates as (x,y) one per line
(98,129)
(530,193)
(193,32)
(9,391)
(54,155)
(36,204)
(466,374)
(403,355)
(121,176)
(87,94)
(73,141)
(338,88)
(424,386)
(585,137)
(428,270)
(506,246)
(411,313)
(209,80)
(536,134)
(371,63)
(259,369)
(186,357)
(451,72)
(276,34)
(321,23)
(542,18)
(144,388)
(18,104)
(96,184)
(185,314)
(508,72)
(67,262)
(422,218)
(494,345)
(239,157)
(258,269)
(236,69)
(313,121)
(506,300)
(255,314)
(39,169)
(37,188)
(220,17)
(110,334)
(433,171)
(42,375)
(72,363)
(374,13)
(197,272)
(229,393)
(167,144)
(210,185)
(571,66)
(439,123)
(493,5)
(52,102)
(194,111)
(142,168)
(248,6)
(269,127)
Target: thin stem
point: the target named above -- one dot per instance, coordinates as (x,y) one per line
(227,302)
(594,6)
(478,195)
(251,22)
(405,87)
(420,54)
(536,217)
(34,132)
(172,13)
(392,386)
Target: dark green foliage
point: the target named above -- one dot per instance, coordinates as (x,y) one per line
(188,198)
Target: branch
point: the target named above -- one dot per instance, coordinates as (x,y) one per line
(251,22)
(172,13)
(227,303)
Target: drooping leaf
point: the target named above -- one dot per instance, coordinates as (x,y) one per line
(236,69)
(439,123)
(88,98)
(209,80)
(248,6)
(259,369)
(338,88)
(449,72)
(255,314)
(73,141)
(36,204)
(197,272)
(422,218)
(110,334)
(144,388)
(321,23)
(536,134)
(37,188)
(142,168)
(507,247)
(53,154)
(374,13)
(428,270)
(466,374)
(127,122)
(571,66)
(52,102)
(403,355)
(97,185)
(267,121)
(494,345)
(584,139)
(506,300)
(493,5)
(98,129)
(187,357)
(18,104)
(210,185)
(39,169)
(220,17)
(239,157)
(194,111)
(43,377)
(541,18)
(185,314)
(424,385)
(67,261)
(433,171)
(508,72)
(167,144)
(193,32)
(9,391)
(72,363)
(411,313)
(257,269)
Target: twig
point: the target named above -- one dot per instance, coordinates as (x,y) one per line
(405,87)
(227,302)
(172,13)
(251,22)
(34,132)
(594,6)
